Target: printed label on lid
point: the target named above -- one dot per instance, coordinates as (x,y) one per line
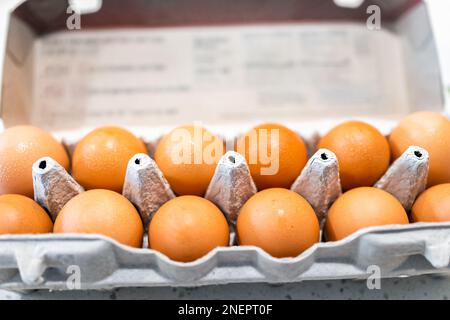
(221,74)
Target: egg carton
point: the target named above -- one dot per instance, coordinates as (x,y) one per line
(232,185)
(50,261)
(46,261)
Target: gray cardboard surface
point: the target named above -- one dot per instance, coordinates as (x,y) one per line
(44,261)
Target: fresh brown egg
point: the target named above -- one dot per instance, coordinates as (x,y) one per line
(275,155)
(20,147)
(188,157)
(20,214)
(100,159)
(362,151)
(279,221)
(433,205)
(101,212)
(431,131)
(360,208)
(188,227)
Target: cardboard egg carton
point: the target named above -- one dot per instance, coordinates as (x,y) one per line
(46,261)
(306,65)
(232,185)
(397,250)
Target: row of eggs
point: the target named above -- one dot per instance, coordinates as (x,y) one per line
(187,227)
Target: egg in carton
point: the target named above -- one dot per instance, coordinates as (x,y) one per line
(232,185)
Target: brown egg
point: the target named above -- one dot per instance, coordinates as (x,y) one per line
(188,157)
(20,214)
(20,147)
(433,205)
(360,208)
(102,212)
(100,159)
(279,221)
(188,227)
(275,155)
(430,131)
(362,151)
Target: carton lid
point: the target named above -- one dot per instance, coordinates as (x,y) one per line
(45,16)
(151,63)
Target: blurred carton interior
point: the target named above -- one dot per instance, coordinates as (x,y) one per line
(158,64)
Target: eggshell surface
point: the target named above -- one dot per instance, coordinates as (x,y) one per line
(188,157)
(100,159)
(188,227)
(20,147)
(275,155)
(21,215)
(433,205)
(279,221)
(431,131)
(360,208)
(362,151)
(101,212)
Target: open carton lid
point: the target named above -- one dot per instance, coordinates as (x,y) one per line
(158,63)
(164,63)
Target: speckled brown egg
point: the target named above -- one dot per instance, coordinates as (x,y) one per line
(188,156)
(361,208)
(274,153)
(20,214)
(20,147)
(431,131)
(433,205)
(279,221)
(100,159)
(362,151)
(188,227)
(101,212)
